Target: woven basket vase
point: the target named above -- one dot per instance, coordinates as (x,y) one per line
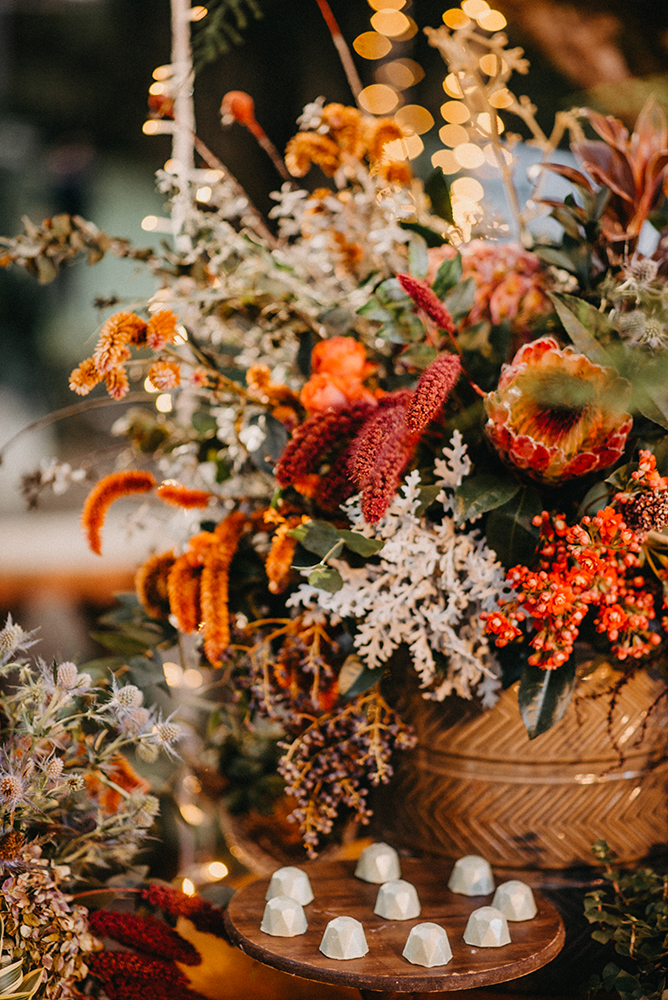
(475,784)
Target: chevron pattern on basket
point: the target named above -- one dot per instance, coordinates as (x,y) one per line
(481,786)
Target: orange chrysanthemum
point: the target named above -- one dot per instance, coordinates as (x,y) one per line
(103,494)
(259,382)
(123,775)
(161,329)
(112,348)
(181,496)
(151,584)
(396,172)
(183,588)
(307,148)
(346,128)
(165,375)
(85,377)
(117,383)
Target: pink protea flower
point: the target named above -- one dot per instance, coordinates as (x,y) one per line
(556,415)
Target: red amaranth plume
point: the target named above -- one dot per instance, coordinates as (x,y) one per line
(318,435)
(434,387)
(202,914)
(366,446)
(126,976)
(425,298)
(391,459)
(145,934)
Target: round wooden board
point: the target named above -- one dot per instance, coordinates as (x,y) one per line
(338,893)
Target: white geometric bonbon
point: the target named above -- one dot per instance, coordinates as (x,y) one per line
(428,945)
(397,900)
(487,928)
(283,917)
(343,939)
(471,876)
(515,900)
(378,863)
(292,882)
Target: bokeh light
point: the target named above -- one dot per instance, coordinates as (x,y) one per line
(390,22)
(445,159)
(489,127)
(198,13)
(456,18)
(415,117)
(451,86)
(491,64)
(453,135)
(475,8)
(217,869)
(400,73)
(163,72)
(387,4)
(378,99)
(408,148)
(468,188)
(468,155)
(492,21)
(163,403)
(187,887)
(455,112)
(371,45)
(501,98)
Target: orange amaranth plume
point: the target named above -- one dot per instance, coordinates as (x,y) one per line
(103,494)
(172,492)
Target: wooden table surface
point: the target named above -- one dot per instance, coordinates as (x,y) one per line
(383,970)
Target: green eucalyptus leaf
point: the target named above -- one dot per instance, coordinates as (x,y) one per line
(326,578)
(427,495)
(316,536)
(418,259)
(360,544)
(448,275)
(356,678)
(437,190)
(544,696)
(510,531)
(460,301)
(430,236)
(582,322)
(478,494)
(122,644)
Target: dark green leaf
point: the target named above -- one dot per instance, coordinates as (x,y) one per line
(594,500)
(360,544)
(326,578)
(418,356)
(418,261)
(510,531)
(427,495)
(438,192)
(448,275)
(544,696)
(461,299)
(204,422)
(556,256)
(122,644)
(478,494)
(582,321)
(372,310)
(316,536)
(430,236)
(356,678)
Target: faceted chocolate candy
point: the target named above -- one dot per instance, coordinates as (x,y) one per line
(515,900)
(378,863)
(397,900)
(292,882)
(344,938)
(487,928)
(283,917)
(428,945)
(471,876)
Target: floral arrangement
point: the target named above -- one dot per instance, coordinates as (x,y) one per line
(391,431)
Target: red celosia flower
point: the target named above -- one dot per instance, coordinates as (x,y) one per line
(145,934)
(426,299)
(126,976)
(434,387)
(103,494)
(556,415)
(317,437)
(201,913)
